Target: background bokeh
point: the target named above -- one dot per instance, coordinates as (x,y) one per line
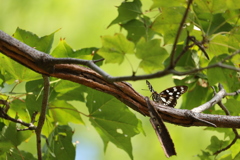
(82,23)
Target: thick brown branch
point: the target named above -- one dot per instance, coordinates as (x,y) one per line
(41,63)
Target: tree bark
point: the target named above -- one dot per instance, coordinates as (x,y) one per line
(46,65)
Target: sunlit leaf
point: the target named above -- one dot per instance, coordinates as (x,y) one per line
(235,150)
(233,4)
(231,106)
(113,120)
(63,113)
(167,23)
(115,47)
(234,39)
(68,90)
(60,143)
(16,70)
(216,143)
(43,44)
(217,46)
(127,11)
(231,16)
(227,77)
(19,108)
(210,6)
(151,54)
(169,3)
(63,50)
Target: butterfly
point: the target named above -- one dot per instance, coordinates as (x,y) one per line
(169,96)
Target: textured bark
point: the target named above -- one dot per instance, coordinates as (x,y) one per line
(47,65)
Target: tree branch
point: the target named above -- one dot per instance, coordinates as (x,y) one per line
(171,66)
(4,115)
(41,63)
(42,117)
(161,130)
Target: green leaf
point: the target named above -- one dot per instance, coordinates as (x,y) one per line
(232,4)
(169,3)
(216,144)
(235,150)
(2,80)
(151,54)
(195,96)
(211,24)
(15,137)
(224,76)
(115,47)
(5,143)
(231,105)
(210,6)
(60,143)
(128,11)
(212,16)
(16,154)
(19,108)
(43,44)
(34,95)
(206,156)
(167,24)
(231,16)
(113,120)
(217,46)
(234,39)
(63,113)
(67,90)
(63,50)
(186,62)
(137,29)
(17,71)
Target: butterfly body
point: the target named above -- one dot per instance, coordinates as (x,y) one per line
(169,96)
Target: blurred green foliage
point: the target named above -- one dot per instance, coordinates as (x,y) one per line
(80,28)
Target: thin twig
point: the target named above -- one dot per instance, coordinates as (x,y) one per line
(178,35)
(200,45)
(224,108)
(185,49)
(234,130)
(221,150)
(234,93)
(42,115)
(4,115)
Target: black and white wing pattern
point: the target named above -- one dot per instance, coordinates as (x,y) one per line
(169,96)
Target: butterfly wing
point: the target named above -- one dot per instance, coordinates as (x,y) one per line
(169,96)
